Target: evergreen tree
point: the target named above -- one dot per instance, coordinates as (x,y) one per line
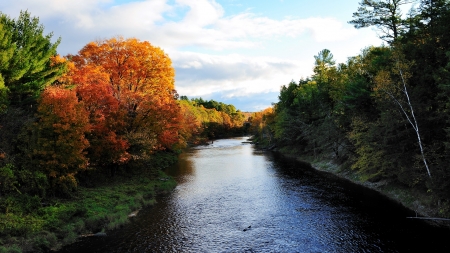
(6,52)
(384,14)
(30,67)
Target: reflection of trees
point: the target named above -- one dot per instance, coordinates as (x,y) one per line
(183,167)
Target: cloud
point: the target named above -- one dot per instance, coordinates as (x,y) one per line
(93,14)
(252,25)
(202,12)
(203,25)
(231,75)
(79,22)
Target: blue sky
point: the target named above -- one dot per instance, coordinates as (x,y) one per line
(233,51)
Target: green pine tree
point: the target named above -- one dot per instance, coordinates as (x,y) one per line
(29,69)
(6,52)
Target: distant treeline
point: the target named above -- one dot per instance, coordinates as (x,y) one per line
(385,112)
(215,119)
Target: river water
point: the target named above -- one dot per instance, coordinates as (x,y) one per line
(233,198)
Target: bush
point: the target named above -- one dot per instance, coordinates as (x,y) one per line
(44,241)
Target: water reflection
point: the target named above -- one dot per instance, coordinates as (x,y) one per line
(231,198)
(183,167)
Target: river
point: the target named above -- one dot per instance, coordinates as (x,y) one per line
(233,198)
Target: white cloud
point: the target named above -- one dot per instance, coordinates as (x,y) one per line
(250,25)
(94,10)
(329,29)
(232,75)
(203,25)
(202,12)
(246,30)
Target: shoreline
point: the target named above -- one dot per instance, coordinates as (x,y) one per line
(409,198)
(92,212)
(417,201)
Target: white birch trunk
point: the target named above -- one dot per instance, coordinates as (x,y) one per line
(414,123)
(410,117)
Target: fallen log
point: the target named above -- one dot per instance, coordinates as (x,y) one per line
(428,218)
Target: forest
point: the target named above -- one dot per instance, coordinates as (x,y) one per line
(73,123)
(383,114)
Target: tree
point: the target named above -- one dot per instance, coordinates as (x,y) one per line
(30,68)
(324,62)
(289,124)
(141,79)
(6,52)
(190,121)
(432,10)
(59,143)
(384,14)
(394,85)
(106,120)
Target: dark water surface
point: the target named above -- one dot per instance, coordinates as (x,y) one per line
(232,198)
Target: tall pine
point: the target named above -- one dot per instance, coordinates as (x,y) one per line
(30,68)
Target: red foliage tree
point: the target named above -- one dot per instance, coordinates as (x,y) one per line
(106,120)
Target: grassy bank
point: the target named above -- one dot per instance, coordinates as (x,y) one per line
(37,226)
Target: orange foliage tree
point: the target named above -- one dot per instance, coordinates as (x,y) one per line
(191,121)
(106,121)
(262,124)
(60,143)
(136,80)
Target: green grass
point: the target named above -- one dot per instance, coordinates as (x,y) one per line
(91,210)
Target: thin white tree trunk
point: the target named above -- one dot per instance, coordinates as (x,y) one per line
(414,124)
(410,117)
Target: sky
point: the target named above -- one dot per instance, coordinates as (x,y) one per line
(237,52)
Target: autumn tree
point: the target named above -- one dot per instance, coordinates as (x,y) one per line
(106,120)
(58,143)
(209,119)
(141,80)
(191,121)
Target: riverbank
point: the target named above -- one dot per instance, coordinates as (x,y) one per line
(92,211)
(420,202)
